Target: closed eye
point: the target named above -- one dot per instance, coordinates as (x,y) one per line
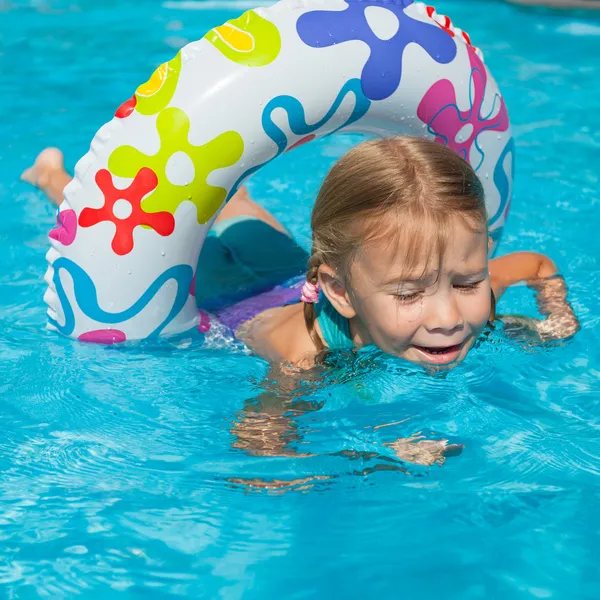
(468,287)
(408,298)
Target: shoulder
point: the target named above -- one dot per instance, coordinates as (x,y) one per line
(279,335)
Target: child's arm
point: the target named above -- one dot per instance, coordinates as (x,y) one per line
(541,275)
(267,424)
(519,266)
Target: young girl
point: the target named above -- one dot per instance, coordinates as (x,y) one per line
(399,259)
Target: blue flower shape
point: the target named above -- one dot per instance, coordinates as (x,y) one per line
(382,72)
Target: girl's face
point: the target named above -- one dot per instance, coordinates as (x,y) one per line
(431,316)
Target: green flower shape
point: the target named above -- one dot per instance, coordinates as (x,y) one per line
(248,40)
(173,128)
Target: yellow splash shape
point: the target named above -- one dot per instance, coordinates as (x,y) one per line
(235,38)
(248,40)
(155,95)
(154,83)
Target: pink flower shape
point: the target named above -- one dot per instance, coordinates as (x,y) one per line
(103,336)
(204,324)
(458,129)
(65,229)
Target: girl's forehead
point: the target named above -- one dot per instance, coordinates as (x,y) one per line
(421,256)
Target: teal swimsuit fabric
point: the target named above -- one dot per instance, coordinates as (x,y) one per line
(240,273)
(334,327)
(244,256)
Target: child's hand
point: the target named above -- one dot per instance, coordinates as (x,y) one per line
(551,298)
(520,328)
(420,451)
(560,325)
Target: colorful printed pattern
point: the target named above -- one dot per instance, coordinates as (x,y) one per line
(132,215)
(382,72)
(103,336)
(179,171)
(65,229)
(86,296)
(248,40)
(297,120)
(154,95)
(503,181)
(458,129)
(173,128)
(126,108)
(446,24)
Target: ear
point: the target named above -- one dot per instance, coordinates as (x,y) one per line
(490,241)
(335,291)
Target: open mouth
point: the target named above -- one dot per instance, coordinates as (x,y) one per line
(440,354)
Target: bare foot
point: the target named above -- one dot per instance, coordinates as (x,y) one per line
(47,162)
(48,174)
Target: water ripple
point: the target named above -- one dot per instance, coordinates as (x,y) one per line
(175,469)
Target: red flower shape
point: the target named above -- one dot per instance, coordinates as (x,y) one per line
(131,213)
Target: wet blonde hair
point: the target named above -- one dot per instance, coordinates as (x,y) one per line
(401,187)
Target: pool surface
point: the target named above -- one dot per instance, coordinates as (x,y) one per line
(123,472)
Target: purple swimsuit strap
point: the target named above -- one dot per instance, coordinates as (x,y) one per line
(286,293)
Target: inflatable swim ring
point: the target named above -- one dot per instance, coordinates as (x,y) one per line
(129,232)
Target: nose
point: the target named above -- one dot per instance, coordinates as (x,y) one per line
(443,315)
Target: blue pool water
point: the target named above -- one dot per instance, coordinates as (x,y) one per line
(120,473)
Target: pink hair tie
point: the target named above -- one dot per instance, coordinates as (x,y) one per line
(310,292)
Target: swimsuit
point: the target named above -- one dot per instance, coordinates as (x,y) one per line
(238,278)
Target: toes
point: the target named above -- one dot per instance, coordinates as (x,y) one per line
(46,162)
(29,175)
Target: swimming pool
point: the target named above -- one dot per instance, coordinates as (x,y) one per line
(120,475)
